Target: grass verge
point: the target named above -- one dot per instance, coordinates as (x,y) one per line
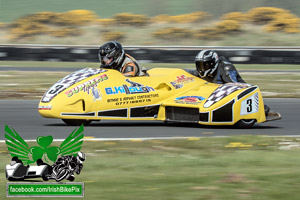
(240,167)
(33,84)
(258,67)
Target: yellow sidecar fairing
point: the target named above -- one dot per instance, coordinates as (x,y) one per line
(166,95)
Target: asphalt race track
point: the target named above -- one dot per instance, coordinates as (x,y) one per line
(23,116)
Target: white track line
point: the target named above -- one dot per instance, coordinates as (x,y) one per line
(157,138)
(124,139)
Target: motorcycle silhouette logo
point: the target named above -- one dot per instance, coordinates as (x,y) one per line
(66,160)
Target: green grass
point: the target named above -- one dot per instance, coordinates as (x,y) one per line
(46,64)
(270,67)
(188,169)
(275,85)
(28,85)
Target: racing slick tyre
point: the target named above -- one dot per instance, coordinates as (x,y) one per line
(245,123)
(71,178)
(77,122)
(45,178)
(62,174)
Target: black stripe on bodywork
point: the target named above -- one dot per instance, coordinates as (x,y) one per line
(204,117)
(224,113)
(92,114)
(182,114)
(244,93)
(113,113)
(147,111)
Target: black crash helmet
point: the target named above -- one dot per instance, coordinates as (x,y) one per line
(206,62)
(111,54)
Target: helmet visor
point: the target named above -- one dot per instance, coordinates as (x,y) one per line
(107,60)
(202,67)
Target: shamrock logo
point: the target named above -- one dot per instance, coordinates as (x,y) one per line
(17,146)
(44,149)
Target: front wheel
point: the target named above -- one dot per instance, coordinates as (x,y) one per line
(245,123)
(62,174)
(77,122)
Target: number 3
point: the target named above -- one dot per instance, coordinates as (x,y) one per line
(249,103)
(58,87)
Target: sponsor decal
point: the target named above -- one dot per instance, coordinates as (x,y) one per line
(134,88)
(44,162)
(97,95)
(181,80)
(68,81)
(88,87)
(45,107)
(189,100)
(133,99)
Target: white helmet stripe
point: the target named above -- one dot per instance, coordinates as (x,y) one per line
(200,55)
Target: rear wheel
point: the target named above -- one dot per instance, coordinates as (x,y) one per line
(245,123)
(71,178)
(45,178)
(77,122)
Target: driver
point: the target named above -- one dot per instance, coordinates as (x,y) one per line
(215,69)
(112,56)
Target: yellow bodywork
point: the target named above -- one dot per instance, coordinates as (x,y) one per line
(111,96)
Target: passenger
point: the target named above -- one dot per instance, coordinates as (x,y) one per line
(113,56)
(215,69)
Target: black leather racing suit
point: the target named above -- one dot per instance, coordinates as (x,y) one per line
(225,73)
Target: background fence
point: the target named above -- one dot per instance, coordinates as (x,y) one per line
(154,54)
